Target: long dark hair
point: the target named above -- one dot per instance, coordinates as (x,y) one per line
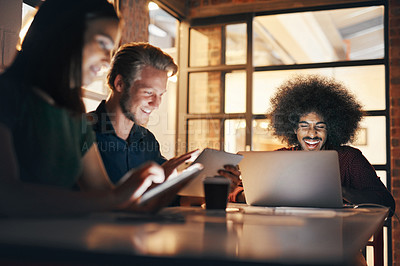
(51,53)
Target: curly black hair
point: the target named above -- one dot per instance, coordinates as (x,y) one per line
(314,93)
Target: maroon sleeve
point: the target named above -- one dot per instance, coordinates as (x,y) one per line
(357,173)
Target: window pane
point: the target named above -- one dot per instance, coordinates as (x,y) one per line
(382,176)
(366,82)
(90,104)
(205,92)
(205,46)
(323,36)
(236,44)
(371,139)
(162,29)
(162,33)
(28,12)
(266,82)
(203,133)
(235,92)
(235,135)
(263,140)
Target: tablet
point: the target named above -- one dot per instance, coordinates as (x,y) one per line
(190,172)
(212,160)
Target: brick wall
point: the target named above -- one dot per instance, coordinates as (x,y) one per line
(10,24)
(135,14)
(394,92)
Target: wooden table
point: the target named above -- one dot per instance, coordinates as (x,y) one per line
(243,235)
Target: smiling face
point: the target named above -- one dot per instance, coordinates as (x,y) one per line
(144,96)
(311,132)
(100,37)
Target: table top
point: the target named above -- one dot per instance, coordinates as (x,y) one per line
(241,234)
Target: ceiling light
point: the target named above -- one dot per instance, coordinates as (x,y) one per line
(153,6)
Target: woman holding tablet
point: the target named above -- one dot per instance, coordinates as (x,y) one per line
(47,146)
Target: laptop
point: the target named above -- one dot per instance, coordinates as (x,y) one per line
(292,178)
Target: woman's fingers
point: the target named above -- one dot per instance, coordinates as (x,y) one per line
(138,182)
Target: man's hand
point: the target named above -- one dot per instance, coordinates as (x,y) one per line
(170,165)
(233,174)
(236,193)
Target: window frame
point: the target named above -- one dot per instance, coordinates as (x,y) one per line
(182,112)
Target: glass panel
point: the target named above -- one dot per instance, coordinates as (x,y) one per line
(205,92)
(266,82)
(236,44)
(235,135)
(366,82)
(371,139)
(162,28)
(263,140)
(162,33)
(370,255)
(28,12)
(382,176)
(90,104)
(370,249)
(162,122)
(205,46)
(203,133)
(235,92)
(322,36)
(99,84)
(385,246)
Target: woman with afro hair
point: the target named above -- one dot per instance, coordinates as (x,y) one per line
(315,113)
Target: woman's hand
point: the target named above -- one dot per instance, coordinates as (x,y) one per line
(137,183)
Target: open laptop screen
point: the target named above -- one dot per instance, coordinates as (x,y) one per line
(292,178)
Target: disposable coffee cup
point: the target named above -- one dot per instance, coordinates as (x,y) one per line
(216,191)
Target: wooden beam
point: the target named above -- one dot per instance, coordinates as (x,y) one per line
(177,8)
(184,9)
(237,6)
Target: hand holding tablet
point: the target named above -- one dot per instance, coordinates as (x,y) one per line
(170,186)
(212,160)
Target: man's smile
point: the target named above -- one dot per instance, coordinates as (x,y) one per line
(147,111)
(312,143)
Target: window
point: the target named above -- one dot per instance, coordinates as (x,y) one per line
(162,33)
(234,65)
(228,90)
(319,36)
(217,86)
